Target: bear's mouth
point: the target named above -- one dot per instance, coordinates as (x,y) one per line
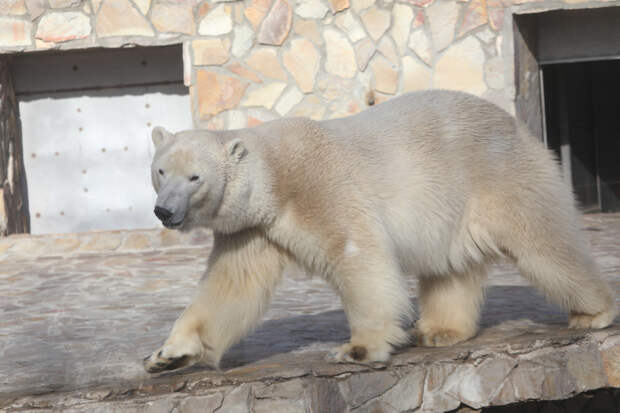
(172,225)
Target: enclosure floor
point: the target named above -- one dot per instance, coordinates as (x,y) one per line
(74,328)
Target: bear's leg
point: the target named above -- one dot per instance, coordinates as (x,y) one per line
(449,307)
(243,271)
(561,268)
(376,302)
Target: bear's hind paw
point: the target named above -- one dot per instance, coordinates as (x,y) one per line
(358,354)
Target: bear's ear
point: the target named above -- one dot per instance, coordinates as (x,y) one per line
(160,136)
(236,150)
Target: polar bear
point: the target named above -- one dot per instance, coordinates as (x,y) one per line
(434,184)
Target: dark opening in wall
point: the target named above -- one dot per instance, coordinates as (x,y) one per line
(582,113)
(568,93)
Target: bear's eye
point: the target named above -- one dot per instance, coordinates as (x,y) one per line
(194,178)
(161,172)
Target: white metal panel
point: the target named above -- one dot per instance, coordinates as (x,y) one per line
(87,155)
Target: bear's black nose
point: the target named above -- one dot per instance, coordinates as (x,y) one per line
(162,213)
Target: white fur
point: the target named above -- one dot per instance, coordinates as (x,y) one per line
(436,184)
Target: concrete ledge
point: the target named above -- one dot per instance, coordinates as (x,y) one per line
(504,365)
(26,245)
(74,328)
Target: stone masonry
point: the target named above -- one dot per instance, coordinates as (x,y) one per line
(80,311)
(251,61)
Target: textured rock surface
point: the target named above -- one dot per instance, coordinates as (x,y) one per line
(76,324)
(465,44)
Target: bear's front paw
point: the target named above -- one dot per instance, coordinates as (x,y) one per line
(161,361)
(358,353)
(439,337)
(600,320)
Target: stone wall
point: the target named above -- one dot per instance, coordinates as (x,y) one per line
(250,61)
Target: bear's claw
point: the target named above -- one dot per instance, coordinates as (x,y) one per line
(162,364)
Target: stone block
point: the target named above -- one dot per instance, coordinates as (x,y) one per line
(265,96)
(442,16)
(377,21)
(385,75)
(14,32)
(310,9)
(275,27)
(63,26)
(349,24)
(461,67)
(475,16)
(338,5)
(243,40)
(302,60)
(340,54)
(217,92)
(14,7)
(288,101)
(119,18)
(421,45)
(217,22)
(173,18)
(416,75)
(265,61)
(209,51)
(360,388)
(402,16)
(256,11)
(364,51)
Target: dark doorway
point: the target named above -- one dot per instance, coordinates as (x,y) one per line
(582,115)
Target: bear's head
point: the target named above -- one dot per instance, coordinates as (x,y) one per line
(192,171)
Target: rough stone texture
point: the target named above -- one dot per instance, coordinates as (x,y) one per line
(173,18)
(209,52)
(289,99)
(217,22)
(76,325)
(217,92)
(308,29)
(338,5)
(310,9)
(277,24)
(461,67)
(143,5)
(349,24)
(402,16)
(119,18)
(60,4)
(386,77)
(421,45)
(243,40)
(265,95)
(16,7)
(442,16)
(243,72)
(416,76)
(265,61)
(388,50)
(475,16)
(364,50)
(340,54)
(256,11)
(302,61)
(14,32)
(60,27)
(377,21)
